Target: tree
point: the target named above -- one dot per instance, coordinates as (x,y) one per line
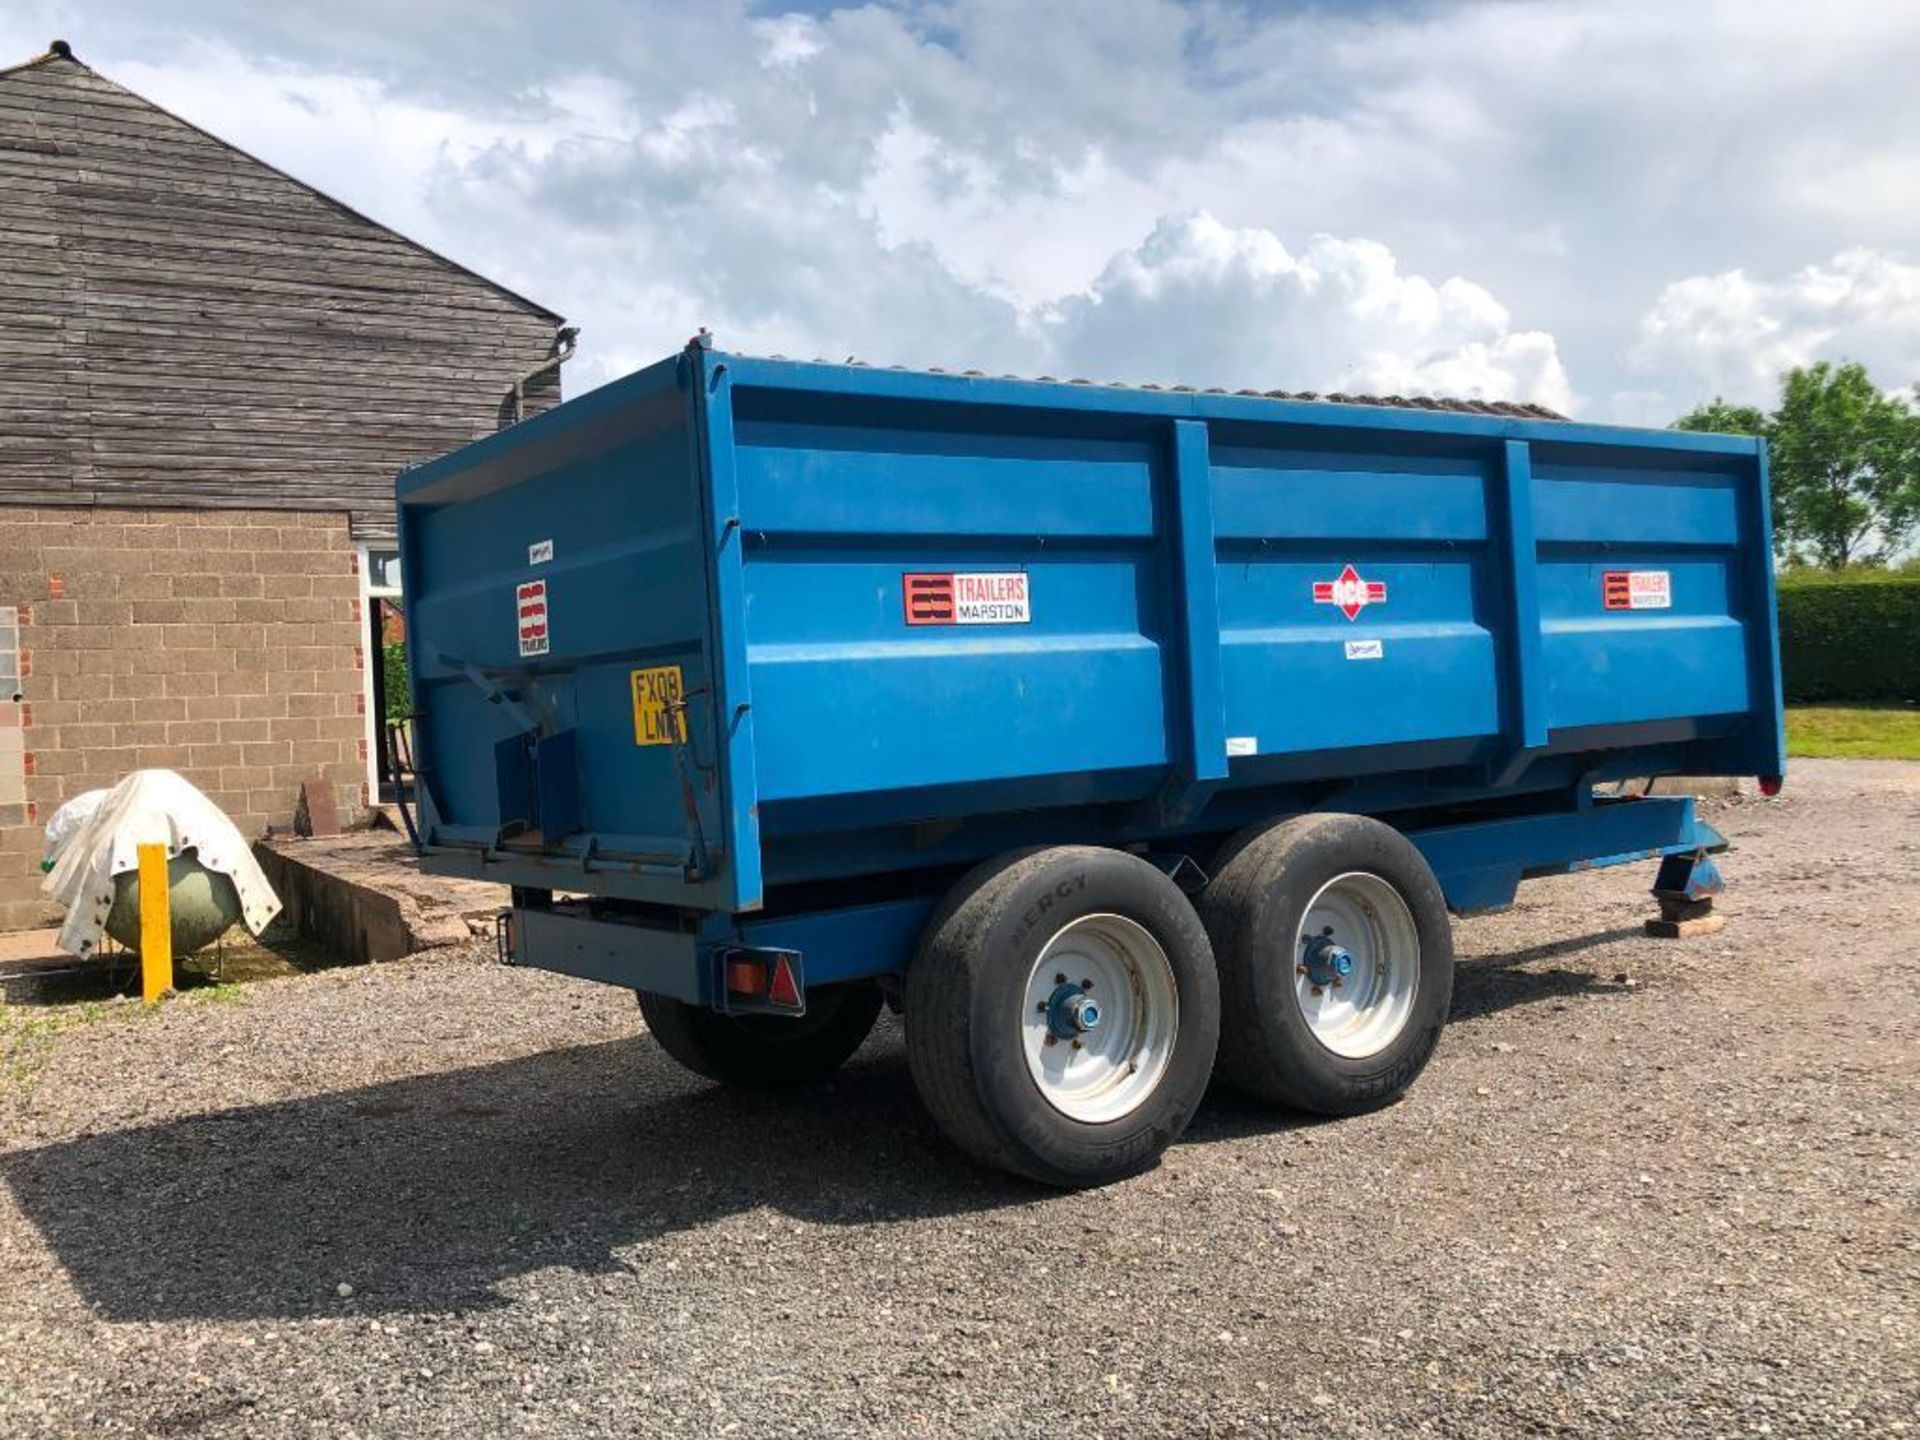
(1846,463)
(1846,460)
(1721,418)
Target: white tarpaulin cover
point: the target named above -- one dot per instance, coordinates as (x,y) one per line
(149,807)
(67,821)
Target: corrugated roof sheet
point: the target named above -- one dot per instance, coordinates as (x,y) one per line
(1513,409)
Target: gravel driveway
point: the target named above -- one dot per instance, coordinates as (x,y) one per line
(1646,1188)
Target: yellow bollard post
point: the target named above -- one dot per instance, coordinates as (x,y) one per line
(156,925)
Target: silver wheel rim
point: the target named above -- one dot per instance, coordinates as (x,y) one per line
(1107,1070)
(1359,1012)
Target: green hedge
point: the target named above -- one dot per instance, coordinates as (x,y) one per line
(399,693)
(1849,639)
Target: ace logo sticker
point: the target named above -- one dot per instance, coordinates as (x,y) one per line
(1349,593)
(531,601)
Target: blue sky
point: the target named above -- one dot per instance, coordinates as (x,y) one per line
(1611,206)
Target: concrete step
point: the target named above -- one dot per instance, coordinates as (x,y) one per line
(362,895)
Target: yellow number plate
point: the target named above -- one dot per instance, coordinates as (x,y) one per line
(654,691)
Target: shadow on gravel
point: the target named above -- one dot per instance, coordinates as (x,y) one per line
(424,1193)
(1492,983)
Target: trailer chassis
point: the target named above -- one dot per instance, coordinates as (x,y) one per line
(686,955)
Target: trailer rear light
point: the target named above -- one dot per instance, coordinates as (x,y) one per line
(1771,785)
(763,980)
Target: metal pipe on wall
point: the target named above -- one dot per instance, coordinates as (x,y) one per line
(565,341)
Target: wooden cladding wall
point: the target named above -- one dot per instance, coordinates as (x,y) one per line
(183,325)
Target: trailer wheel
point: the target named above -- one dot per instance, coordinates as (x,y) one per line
(765,1050)
(1061,1014)
(1336,963)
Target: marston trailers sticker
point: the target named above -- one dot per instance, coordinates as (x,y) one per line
(1350,593)
(967,597)
(531,598)
(1637,590)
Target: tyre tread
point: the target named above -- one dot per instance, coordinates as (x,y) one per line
(1259,864)
(940,982)
(942,985)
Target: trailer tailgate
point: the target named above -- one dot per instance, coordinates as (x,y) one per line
(558,602)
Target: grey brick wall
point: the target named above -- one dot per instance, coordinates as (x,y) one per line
(13,749)
(226,645)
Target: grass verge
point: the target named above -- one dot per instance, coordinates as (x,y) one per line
(1854,732)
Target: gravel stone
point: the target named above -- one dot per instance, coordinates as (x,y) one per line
(1694,1210)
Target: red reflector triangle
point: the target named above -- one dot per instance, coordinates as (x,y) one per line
(785,990)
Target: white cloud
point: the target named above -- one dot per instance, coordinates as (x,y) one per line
(1209,305)
(1732,335)
(788,40)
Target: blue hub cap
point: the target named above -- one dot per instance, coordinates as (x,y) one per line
(1071,1011)
(1326,961)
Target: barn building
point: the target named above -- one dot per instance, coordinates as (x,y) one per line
(209,375)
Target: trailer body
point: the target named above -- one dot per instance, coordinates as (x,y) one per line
(748,654)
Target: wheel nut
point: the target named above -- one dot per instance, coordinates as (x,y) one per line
(1078,1046)
(1318,992)
(1053,1039)
(1059,979)
(1086,984)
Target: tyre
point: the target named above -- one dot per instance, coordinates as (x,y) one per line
(1336,963)
(1061,1015)
(765,1050)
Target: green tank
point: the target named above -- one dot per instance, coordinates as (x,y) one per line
(202,904)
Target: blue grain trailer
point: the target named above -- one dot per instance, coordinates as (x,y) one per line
(1094,728)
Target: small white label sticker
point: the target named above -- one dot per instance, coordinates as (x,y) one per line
(1366,649)
(531,600)
(539,552)
(1243,744)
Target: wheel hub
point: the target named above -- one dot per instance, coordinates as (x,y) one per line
(1326,962)
(1356,964)
(1071,1012)
(1102,1010)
